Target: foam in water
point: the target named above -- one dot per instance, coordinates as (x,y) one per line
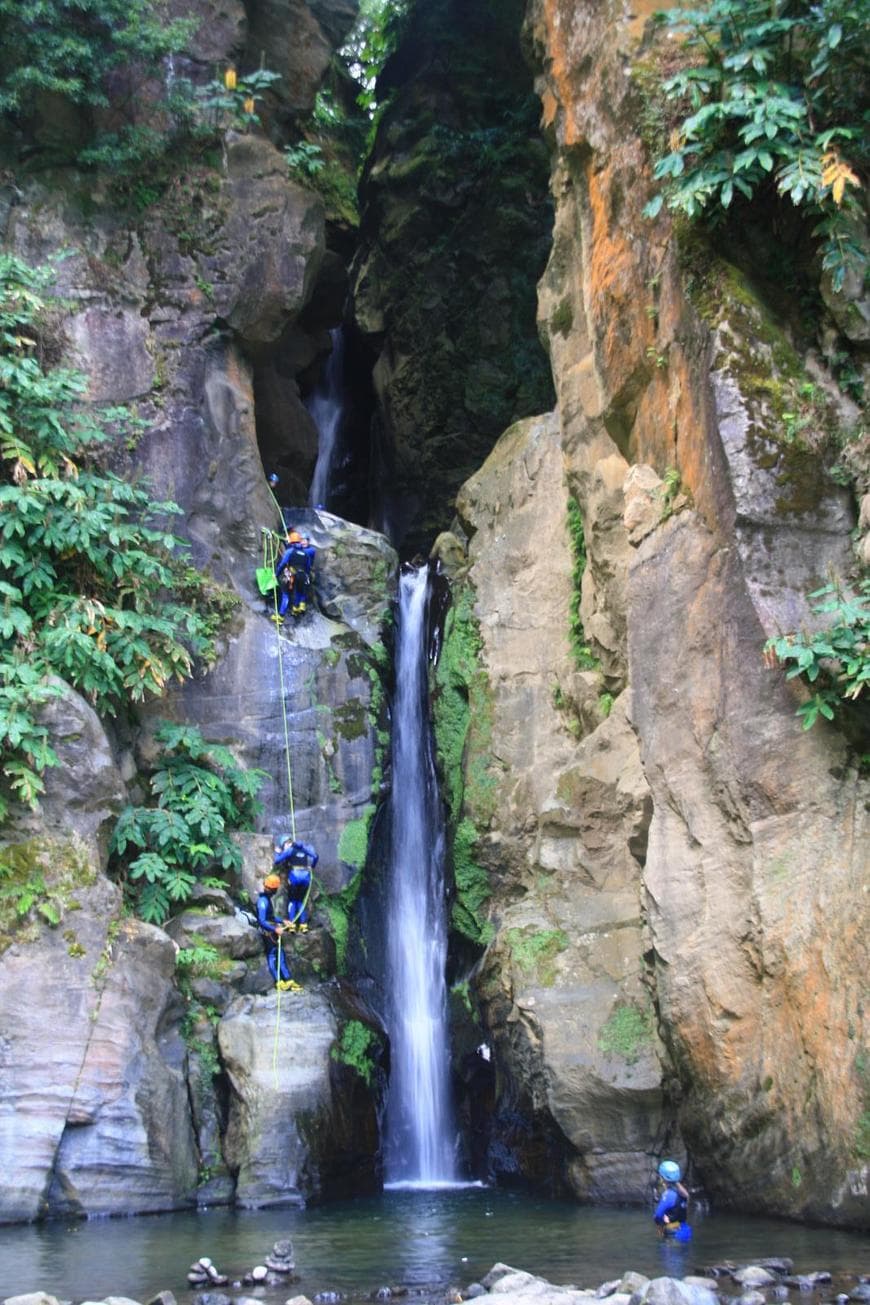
(419,1122)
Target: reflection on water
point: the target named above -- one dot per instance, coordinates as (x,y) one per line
(420,1239)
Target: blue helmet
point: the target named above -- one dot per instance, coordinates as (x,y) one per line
(670,1171)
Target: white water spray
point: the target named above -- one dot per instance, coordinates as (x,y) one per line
(325,405)
(419,1123)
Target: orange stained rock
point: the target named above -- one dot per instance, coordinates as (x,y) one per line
(558,45)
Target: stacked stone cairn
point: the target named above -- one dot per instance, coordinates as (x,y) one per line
(202,1273)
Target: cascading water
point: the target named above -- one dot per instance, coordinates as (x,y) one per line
(419,1123)
(325,405)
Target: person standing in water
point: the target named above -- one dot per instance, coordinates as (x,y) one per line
(672,1212)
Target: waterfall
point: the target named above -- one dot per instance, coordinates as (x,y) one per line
(326,408)
(419,1124)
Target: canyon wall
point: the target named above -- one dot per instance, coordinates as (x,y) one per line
(659,905)
(676,925)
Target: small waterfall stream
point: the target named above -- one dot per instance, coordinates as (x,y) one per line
(419,1123)
(325,405)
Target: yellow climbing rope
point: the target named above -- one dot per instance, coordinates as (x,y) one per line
(270,549)
(277,1015)
(270,559)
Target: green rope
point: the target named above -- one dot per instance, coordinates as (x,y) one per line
(277,507)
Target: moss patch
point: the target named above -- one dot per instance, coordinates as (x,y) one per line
(462,712)
(354,841)
(562,319)
(472,887)
(534,952)
(350,719)
(627,1033)
(38,885)
(338,908)
(355,1047)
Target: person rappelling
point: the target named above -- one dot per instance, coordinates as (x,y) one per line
(297,860)
(293,571)
(271,928)
(672,1212)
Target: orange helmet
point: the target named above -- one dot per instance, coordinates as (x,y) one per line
(294,537)
(271,882)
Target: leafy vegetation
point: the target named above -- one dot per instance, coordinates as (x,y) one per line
(200,795)
(356,1047)
(338,907)
(73,49)
(462,711)
(534,952)
(834,660)
(372,40)
(771,98)
(627,1032)
(583,654)
(88,565)
(40,883)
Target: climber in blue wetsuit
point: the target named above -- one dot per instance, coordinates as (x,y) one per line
(293,571)
(297,859)
(671,1213)
(270,931)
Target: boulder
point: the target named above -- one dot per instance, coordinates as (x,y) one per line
(32,1298)
(230,935)
(88,808)
(276,1052)
(753,1275)
(568,807)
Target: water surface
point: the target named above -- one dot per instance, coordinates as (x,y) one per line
(424,1240)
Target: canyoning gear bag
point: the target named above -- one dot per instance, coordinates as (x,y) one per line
(266,579)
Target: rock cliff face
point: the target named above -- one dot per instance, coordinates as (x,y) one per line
(659,901)
(455,228)
(138,1100)
(676,890)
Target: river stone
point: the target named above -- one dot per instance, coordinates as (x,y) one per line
(297,1300)
(861,1292)
(631,1282)
(163,1298)
(777,1263)
(751,1298)
(32,1298)
(497,1271)
(672,1291)
(112,1300)
(753,1275)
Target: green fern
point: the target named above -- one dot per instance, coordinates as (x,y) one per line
(199,796)
(88,566)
